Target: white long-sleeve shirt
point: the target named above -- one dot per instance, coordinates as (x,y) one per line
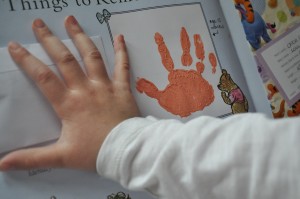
(245,156)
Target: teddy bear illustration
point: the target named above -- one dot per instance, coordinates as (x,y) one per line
(232,94)
(187,91)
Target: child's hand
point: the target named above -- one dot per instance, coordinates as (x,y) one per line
(89,105)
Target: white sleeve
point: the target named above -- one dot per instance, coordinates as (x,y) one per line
(245,156)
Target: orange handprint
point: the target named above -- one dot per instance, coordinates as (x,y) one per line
(187,91)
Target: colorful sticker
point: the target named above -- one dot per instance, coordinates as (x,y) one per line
(248,8)
(272,91)
(280,113)
(232,94)
(283,109)
(295,110)
(273,3)
(294,7)
(282,17)
(253,24)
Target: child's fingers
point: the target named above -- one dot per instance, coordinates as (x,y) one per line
(51,86)
(121,73)
(60,54)
(48,157)
(89,52)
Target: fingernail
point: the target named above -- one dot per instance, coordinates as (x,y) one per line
(122,39)
(72,20)
(38,23)
(13,46)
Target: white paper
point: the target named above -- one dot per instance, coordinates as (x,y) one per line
(26,117)
(59,184)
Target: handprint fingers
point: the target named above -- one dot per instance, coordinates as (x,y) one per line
(200,67)
(199,47)
(213,61)
(121,73)
(200,53)
(166,58)
(186,58)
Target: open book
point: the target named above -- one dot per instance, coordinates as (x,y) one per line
(188,58)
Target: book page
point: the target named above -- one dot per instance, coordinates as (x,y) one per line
(272,20)
(199,43)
